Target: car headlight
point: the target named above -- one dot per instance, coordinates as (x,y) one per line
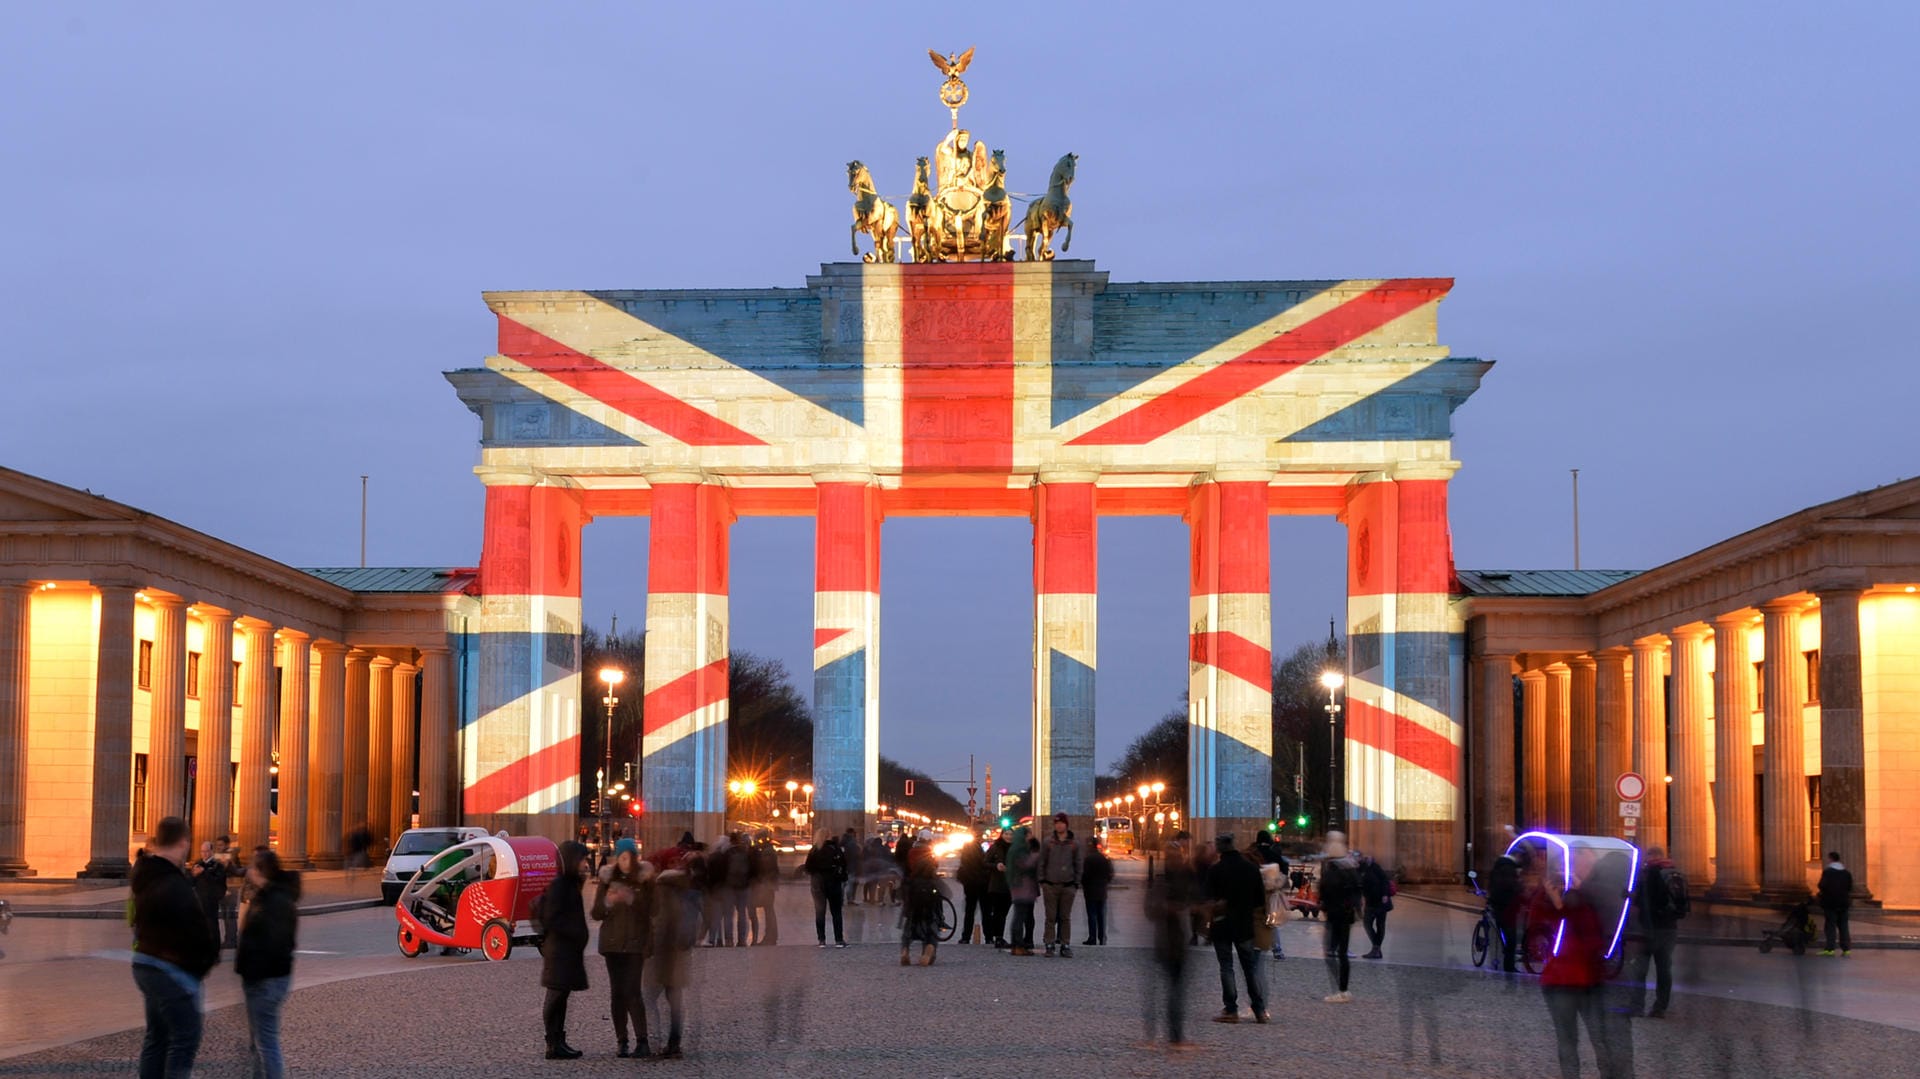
(391,875)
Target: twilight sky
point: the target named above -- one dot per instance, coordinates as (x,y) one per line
(241,245)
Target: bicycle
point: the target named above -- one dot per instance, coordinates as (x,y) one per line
(949,920)
(1487,929)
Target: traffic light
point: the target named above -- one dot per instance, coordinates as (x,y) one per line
(1006,821)
(1273,827)
(1301,820)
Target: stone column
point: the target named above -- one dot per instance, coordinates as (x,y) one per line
(380,751)
(1690,826)
(683,762)
(405,731)
(1533,748)
(251,815)
(1493,717)
(213,787)
(1583,787)
(356,737)
(1230,668)
(296,660)
(1613,742)
(1784,824)
(326,755)
(437,745)
(167,711)
(846,652)
(1650,736)
(1843,753)
(16,653)
(1065,645)
(112,734)
(1559,747)
(1735,838)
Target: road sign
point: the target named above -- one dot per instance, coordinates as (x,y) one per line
(1298,783)
(909,788)
(1631,826)
(1630,810)
(1630,786)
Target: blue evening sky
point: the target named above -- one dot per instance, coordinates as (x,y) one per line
(242,243)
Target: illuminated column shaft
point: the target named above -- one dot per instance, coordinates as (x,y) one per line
(1559,752)
(213,780)
(380,749)
(1785,864)
(251,814)
(1405,751)
(1533,748)
(16,637)
(1690,826)
(1066,586)
(327,755)
(357,732)
(1613,738)
(405,732)
(1735,840)
(437,746)
(683,750)
(1493,707)
(296,651)
(846,654)
(1843,755)
(1230,679)
(112,734)
(1650,736)
(1582,747)
(520,756)
(167,712)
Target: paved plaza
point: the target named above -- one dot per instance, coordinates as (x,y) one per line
(362,1010)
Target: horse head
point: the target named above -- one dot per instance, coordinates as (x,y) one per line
(999,163)
(1063,170)
(920,171)
(857,176)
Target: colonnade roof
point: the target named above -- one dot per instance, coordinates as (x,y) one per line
(398,579)
(1538,582)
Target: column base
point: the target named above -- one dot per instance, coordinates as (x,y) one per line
(1777,896)
(17,870)
(105,870)
(1732,893)
(328,861)
(837,821)
(1205,829)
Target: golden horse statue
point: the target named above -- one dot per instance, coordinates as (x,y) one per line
(920,214)
(871,214)
(1051,212)
(996,213)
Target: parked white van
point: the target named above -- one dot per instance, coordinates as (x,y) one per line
(415,848)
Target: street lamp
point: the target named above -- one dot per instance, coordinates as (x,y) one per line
(611,676)
(1333,680)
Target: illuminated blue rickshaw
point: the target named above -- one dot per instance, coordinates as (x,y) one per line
(1602,868)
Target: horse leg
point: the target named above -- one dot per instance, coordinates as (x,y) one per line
(853,236)
(1065,247)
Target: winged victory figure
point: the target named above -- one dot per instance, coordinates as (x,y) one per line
(951,65)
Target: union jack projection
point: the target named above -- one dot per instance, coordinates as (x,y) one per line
(1031,389)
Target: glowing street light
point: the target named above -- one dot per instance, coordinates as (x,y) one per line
(610,677)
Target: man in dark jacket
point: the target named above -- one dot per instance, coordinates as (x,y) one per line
(562,918)
(1059,881)
(972,875)
(827,873)
(1339,896)
(1233,885)
(1096,876)
(762,887)
(1657,931)
(1503,896)
(210,884)
(999,900)
(172,952)
(1836,900)
(1376,893)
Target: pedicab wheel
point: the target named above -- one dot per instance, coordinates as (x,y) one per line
(496,941)
(1534,950)
(411,945)
(949,922)
(1482,940)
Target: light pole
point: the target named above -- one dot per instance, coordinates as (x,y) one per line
(612,677)
(1333,680)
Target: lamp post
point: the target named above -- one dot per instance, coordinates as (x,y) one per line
(611,677)
(1333,680)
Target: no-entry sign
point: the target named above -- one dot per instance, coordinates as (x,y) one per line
(1630,786)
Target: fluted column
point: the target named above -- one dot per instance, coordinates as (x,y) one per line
(405,719)
(1843,751)
(1493,780)
(16,639)
(213,756)
(1533,747)
(252,819)
(1784,821)
(1613,738)
(326,755)
(112,815)
(167,711)
(296,657)
(436,737)
(1736,853)
(1650,735)
(1690,828)
(1559,747)
(356,736)
(380,750)
(1582,747)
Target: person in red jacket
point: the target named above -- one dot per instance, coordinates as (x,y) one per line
(1573,978)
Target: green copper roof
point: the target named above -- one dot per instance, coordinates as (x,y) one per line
(1539,582)
(395,578)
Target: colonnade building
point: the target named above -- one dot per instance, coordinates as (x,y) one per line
(1767,688)
(135,653)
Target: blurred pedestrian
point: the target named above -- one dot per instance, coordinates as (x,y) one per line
(920,913)
(1060,884)
(269,934)
(1573,976)
(620,905)
(1504,896)
(1023,887)
(232,897)
(210,885)
(999,900)
(1659,902)
(827,875)
(738,879)
(1273,880)
(561,919)
(972,875)
(850,850)
(172,952)
(1836,901)
(359,844)
(1376,890)
(1167,898)
(1096,876)
(763,883)
(1339,900)
(1237,896)
(676,917)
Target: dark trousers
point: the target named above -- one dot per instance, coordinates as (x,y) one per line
(1339,935)
(1023,923)
(1376,924)
(1249,965)
(623,978)
(1837,922)
(1656,946)
(1167,977)
(975,898)
(1059,914)
(1509,942)
(994,913)
(554,1015)
(676,1009)
(741,935)
(1571,1009)
(230,919)
(763,904)
(1096,920)
(173,1025)
(828,897)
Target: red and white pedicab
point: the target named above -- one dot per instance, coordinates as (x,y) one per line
(477,894)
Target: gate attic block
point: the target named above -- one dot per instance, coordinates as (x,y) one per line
(1032,389)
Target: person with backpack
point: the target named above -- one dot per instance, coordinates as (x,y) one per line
(1660,897)
(1339,896)
(1836,900)
(827,873)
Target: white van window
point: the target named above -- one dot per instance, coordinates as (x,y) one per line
(426,842)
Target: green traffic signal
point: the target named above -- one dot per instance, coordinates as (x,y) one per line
(1301,820)
(1273,827)
(1006,822)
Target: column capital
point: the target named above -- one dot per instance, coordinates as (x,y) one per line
(207,612)
(432,650)
(1783,605)
(1067,475)
(1656,642)
(1733,621)
(1425,470)
(673,476)
(1692,631)
(1583,662)
(403,667)
(291,635)
(836,475)
(252,624)
(1536,674)
(379,661)
(358,655)
(166,600)
(1558,668)
(327,648)
(1239,474)
(504,476)
(129,588)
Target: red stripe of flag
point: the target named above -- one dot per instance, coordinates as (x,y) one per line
(956,378)
(1233,654)
(528,775)
(1370,725)
(685,695)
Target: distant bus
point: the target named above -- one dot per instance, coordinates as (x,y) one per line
(1115,833)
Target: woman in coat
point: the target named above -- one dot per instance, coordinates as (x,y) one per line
(562,917)
(676,924)
(622,906)
(264,957)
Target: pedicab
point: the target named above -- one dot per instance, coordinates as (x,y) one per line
(477,894)
(1603,868)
